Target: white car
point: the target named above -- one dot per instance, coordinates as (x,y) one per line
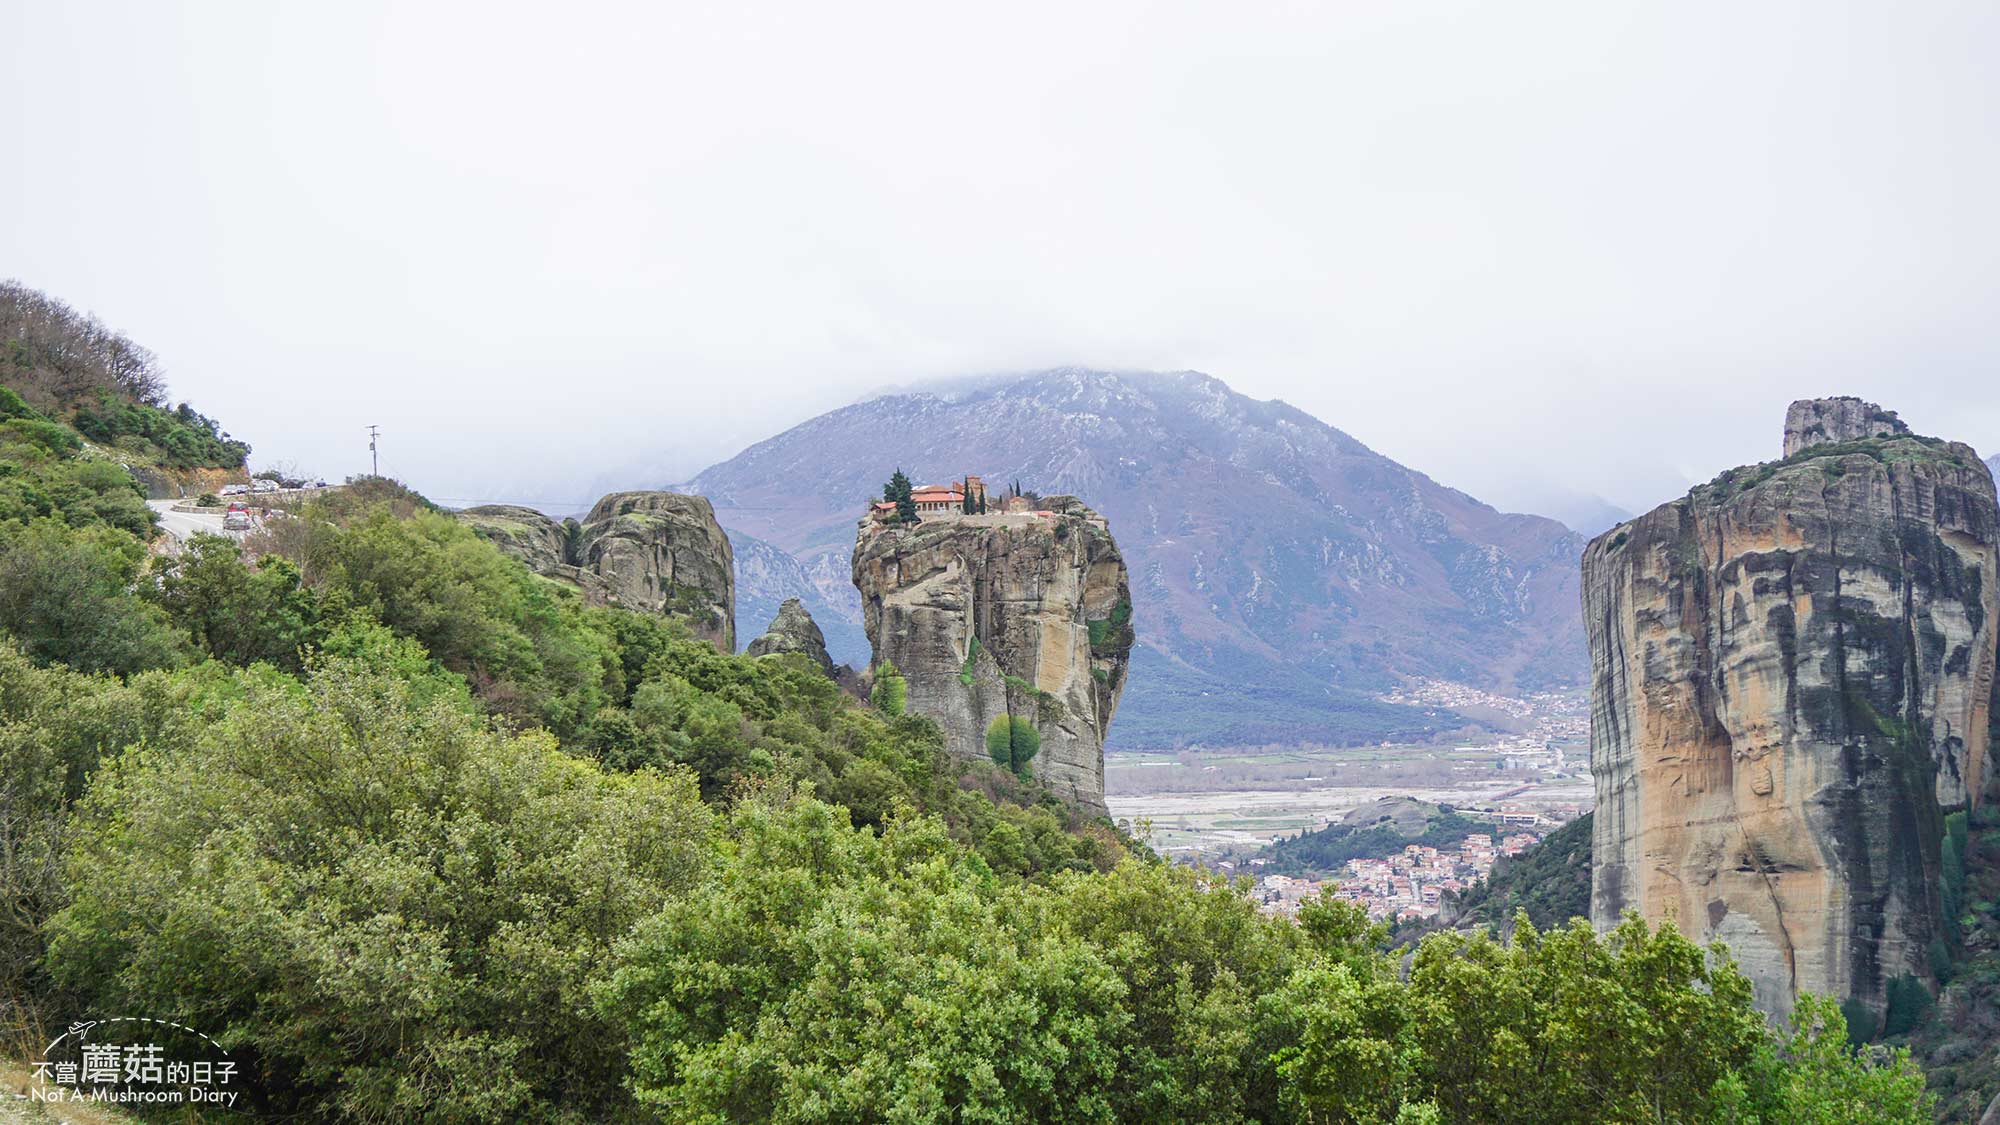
(261,485)
(233,490)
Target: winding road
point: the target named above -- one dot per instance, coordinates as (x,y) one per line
(181,525)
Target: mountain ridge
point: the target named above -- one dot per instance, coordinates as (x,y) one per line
(1279,564)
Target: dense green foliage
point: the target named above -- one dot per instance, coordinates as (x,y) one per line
(67,597)
(1959,1040)
(728,892)
(42,476)
(393,906)
(1114,633)
(418,836)
(66,374)
(180,437)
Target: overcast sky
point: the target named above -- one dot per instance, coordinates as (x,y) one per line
(1527,248)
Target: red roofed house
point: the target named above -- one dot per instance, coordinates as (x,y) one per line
(938,499)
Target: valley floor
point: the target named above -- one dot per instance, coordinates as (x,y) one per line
(1215,804)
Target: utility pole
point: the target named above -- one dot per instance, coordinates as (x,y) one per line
(374,460)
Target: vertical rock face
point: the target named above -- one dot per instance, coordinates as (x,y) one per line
(656,552)
(1830,421)
(1792,676)
(1000,616)
(793,630)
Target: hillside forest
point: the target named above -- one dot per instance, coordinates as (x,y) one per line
(416,835)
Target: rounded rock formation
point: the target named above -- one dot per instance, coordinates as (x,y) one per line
(793,630)
(655,552)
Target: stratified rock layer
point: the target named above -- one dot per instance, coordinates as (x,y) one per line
(1792,674)
(793,630)
(655,552)
(1006,615)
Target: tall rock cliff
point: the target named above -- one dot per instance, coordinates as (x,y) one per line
(1792,677)
(656,552)
(998,618)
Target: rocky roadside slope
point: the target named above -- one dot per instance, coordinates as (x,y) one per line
(993,619)
(1792,684)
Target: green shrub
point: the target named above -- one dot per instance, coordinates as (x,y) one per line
(1012,742)
(391,912)
(1909,1001)
(971,655)
(13,405)
(1860,1020)
(891,692)
(67,597)
(51,438)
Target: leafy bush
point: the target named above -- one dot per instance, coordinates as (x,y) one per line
(49,437)
(527,647)
(67,598)
(234,613)
(891,692)
(1012,742)
(393,909)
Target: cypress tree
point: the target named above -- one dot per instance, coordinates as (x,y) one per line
(897,492)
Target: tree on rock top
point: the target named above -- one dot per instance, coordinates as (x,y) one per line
(899,493)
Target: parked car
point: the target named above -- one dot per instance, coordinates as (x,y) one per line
(233,490)
(264,486)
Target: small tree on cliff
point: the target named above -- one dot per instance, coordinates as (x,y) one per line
(898,492)
(891,692)
(1012,741)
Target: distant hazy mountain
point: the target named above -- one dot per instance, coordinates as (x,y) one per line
(1993,463)
(1586,514)
(1282,572)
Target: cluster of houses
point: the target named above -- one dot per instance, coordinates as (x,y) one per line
(1410,884)
(944,501)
